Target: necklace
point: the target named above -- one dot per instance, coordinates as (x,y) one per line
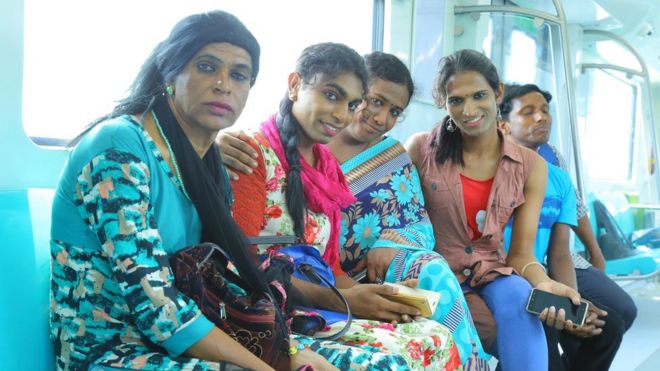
(177,174)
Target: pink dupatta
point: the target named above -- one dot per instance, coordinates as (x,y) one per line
(325,188)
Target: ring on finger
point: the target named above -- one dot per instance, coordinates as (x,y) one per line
(378,280)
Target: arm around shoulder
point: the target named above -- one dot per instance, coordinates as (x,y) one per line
(413,144)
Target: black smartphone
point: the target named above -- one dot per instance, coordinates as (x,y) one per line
(361,276)
(539,300)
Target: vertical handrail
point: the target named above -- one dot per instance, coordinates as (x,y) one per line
(378,28)
(572,114)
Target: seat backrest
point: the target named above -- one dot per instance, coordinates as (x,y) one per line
(25,217)
(612,240)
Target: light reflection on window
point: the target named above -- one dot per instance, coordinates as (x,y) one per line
(608,127)
(522,48)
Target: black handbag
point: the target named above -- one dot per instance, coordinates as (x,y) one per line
(254,320)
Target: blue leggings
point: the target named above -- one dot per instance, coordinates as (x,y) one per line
(520,341)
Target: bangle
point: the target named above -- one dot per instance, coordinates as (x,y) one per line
(524,268)
(293,349)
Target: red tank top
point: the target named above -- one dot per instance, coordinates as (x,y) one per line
(475,201)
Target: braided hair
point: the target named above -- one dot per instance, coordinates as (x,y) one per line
(330,60)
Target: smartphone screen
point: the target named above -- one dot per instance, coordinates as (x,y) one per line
(540,300)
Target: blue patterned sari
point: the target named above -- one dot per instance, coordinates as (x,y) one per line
(389,213)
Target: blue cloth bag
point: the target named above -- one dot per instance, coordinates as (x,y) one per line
(303,256)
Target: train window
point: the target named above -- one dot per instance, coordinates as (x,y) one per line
(81,56)
(525,46)
(607,120)
(525,49)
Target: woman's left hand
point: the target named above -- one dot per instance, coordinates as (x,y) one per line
(376,262)
(551,316)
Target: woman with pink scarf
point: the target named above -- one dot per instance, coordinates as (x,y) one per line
(298,189)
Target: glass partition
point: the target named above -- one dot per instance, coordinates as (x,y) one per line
(615,115)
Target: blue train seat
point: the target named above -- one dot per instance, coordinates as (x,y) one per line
(643,261)
(24,279)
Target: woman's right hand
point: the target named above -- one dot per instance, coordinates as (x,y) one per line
(367,301)
(311,358)
(237,153)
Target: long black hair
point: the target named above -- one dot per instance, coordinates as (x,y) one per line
(328,60)
(204,179)
(388,67)
(450,144)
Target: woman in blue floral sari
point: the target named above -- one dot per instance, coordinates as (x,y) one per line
(387,231)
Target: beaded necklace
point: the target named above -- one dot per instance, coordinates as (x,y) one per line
(177,174)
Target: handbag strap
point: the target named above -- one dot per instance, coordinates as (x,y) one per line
(311,274)
(272,240)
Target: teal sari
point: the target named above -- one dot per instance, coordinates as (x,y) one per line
(389,213)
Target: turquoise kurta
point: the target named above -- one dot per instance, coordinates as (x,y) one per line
(118,214)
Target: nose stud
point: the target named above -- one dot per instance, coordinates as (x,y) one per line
(219,82)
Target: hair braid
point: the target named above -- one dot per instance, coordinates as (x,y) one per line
(287,126)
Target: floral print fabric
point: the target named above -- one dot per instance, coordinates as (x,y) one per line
(390,213)
(419,345)
(368,345)
(276,218)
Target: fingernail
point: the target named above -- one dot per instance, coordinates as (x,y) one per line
(249,171)
(253,163)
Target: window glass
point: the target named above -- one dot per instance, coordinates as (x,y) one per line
(598,50)
(525,46)
(607,121)
(524,49)
(81,55)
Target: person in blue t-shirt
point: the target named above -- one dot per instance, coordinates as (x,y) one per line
(526,111)
(557,217)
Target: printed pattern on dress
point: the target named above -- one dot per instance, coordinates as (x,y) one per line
(125,291)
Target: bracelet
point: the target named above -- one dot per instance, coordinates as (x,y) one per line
(524,268)
(293,350)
